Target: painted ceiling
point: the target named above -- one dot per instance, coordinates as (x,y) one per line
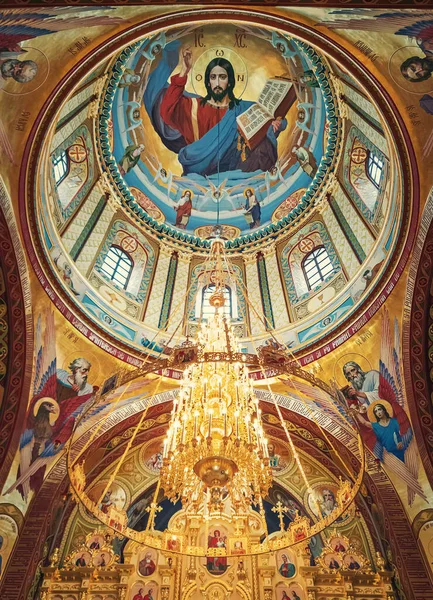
(91,90)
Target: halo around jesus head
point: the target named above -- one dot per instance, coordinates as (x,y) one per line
(199,68)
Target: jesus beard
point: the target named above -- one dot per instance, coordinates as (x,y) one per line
(218,94)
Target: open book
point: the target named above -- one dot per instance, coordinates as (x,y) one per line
(276,98)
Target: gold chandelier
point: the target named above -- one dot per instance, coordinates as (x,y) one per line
(215,453)
(215,443)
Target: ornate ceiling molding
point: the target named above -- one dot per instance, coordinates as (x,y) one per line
(421,4)
(19,324)
(418,338)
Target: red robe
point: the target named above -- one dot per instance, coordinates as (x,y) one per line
(183,210)
(191,118)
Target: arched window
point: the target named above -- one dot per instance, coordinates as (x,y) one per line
(374,168)
(117,266)
(207,309)
(61,167)
(317,266)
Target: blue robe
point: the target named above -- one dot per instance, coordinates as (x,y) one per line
(255,212)
(389,436)
(287,569)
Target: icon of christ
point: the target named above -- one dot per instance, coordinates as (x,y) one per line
(205,131)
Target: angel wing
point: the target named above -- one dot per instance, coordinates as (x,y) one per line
(371,20)
(194,184)
(391,389)
(5,144)
(20,24)
(214,188)
(24,479)
(407,471)
(420,30)
(390,382)
(46,363)
(44,386)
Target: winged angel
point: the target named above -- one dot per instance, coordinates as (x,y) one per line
(377,401)
(59,397)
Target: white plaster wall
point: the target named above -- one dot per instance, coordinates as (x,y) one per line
(374,136)
(360,101)
(95,240)
(253,289)
(359,228)
(279,309)
(81,217)
(180,293)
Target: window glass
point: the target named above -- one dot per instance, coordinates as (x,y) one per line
(317,266)
(374,168)
(61,167)
(207,309)
(117,266)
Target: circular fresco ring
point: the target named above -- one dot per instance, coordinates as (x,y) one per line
(140,162)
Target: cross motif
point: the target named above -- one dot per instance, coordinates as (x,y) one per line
(306,245)
(359,155)
(152,510)
(238,530)
(129,244)
(77,153)
(279,509)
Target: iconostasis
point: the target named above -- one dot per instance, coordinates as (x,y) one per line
(96,559)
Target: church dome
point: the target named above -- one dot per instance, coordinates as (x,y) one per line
(293,158)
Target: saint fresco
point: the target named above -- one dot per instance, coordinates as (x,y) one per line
(376,400)
(217,564)
(59,397)
(209,132)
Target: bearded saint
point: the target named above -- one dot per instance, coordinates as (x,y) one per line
(363,385)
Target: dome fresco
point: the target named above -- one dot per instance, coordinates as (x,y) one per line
(158,161)
(307,198)
(162,125)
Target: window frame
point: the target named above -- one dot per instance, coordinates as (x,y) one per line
(374,160)
(206,290)
(319,268)
(121,256)
(56,160)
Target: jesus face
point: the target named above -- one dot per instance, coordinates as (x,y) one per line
(218,80)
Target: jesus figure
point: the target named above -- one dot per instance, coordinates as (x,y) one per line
(203,131)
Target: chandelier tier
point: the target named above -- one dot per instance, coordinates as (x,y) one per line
(215,453)
(215,442)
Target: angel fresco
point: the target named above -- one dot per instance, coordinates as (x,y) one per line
(19,64)
(19,25)
(376,400)
(413,66)
(59,397)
